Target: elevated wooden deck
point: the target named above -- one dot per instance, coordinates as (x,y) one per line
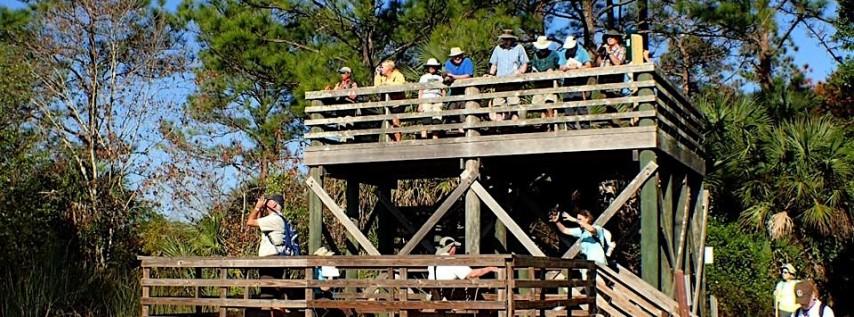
(648,114)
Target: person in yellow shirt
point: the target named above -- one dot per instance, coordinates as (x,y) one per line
(388,75)
(785,303)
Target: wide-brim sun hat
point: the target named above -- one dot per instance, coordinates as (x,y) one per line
(542,43)
(612,33)
(570,42)
(507,34)
(455,51)
(432,62)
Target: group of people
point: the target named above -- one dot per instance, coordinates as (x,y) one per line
(509,58)
(797,298)
(792,297)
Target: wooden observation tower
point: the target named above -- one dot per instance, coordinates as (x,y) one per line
(631,121)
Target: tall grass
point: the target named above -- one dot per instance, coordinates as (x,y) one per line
(56,283)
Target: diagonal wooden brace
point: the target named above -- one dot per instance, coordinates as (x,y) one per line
(466,179)
(341,216)
(618,203)
(505,218)
(407,225)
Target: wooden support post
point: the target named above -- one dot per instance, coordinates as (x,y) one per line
(683,212)
(472,206)
(649,203)
(223,292)
(341,216)
(617,204)
(315,213)
(466,180)
(507,220)
(510,279)
(666,254)
(472,214)
(146,291)
(309,292)
(699,281)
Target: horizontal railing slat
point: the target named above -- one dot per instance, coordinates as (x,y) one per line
(481,110)
(224,302)
(483,124)
(311,261)
(291,283)
(481,96)
(482,81)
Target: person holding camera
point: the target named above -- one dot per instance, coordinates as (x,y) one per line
(612,52)
(277,237)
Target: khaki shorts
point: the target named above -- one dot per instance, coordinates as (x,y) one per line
(431,107)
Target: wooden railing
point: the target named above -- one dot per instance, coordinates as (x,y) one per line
(594,98)
(369,284)
(623,294)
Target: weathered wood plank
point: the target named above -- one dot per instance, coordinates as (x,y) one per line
(315,213)
(667,144)
(347,134)
(482,81)
(478,110)
(698,279)
(520,261)
(341,216)
(364,261)
(466,180)
(230,302)
(506,219)
(485,146)
(366,305)
(549,283)
(552,303)
(618,203)
(483,96)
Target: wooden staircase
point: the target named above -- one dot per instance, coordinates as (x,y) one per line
(621,293)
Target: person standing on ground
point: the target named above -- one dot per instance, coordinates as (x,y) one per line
(807,295)
(277,237)
(784,293)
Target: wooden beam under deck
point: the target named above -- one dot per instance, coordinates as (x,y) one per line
(485,146)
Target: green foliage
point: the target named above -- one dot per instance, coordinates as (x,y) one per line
(742,277)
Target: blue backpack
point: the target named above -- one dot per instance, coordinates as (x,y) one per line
(290,240)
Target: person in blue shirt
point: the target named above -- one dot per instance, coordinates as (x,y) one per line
(458,66)
(573,56)
(592,237)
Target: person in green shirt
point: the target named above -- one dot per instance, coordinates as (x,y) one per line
(544,59)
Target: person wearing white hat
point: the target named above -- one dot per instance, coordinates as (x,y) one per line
(544,59)
(785,303)
(573,56)
(431,77)
(448,247)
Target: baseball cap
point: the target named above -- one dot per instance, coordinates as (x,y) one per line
(804,292)
(278,198)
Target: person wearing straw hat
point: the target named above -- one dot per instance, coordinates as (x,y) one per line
(784,293)
(508,59)
(431,77)
(458,66)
